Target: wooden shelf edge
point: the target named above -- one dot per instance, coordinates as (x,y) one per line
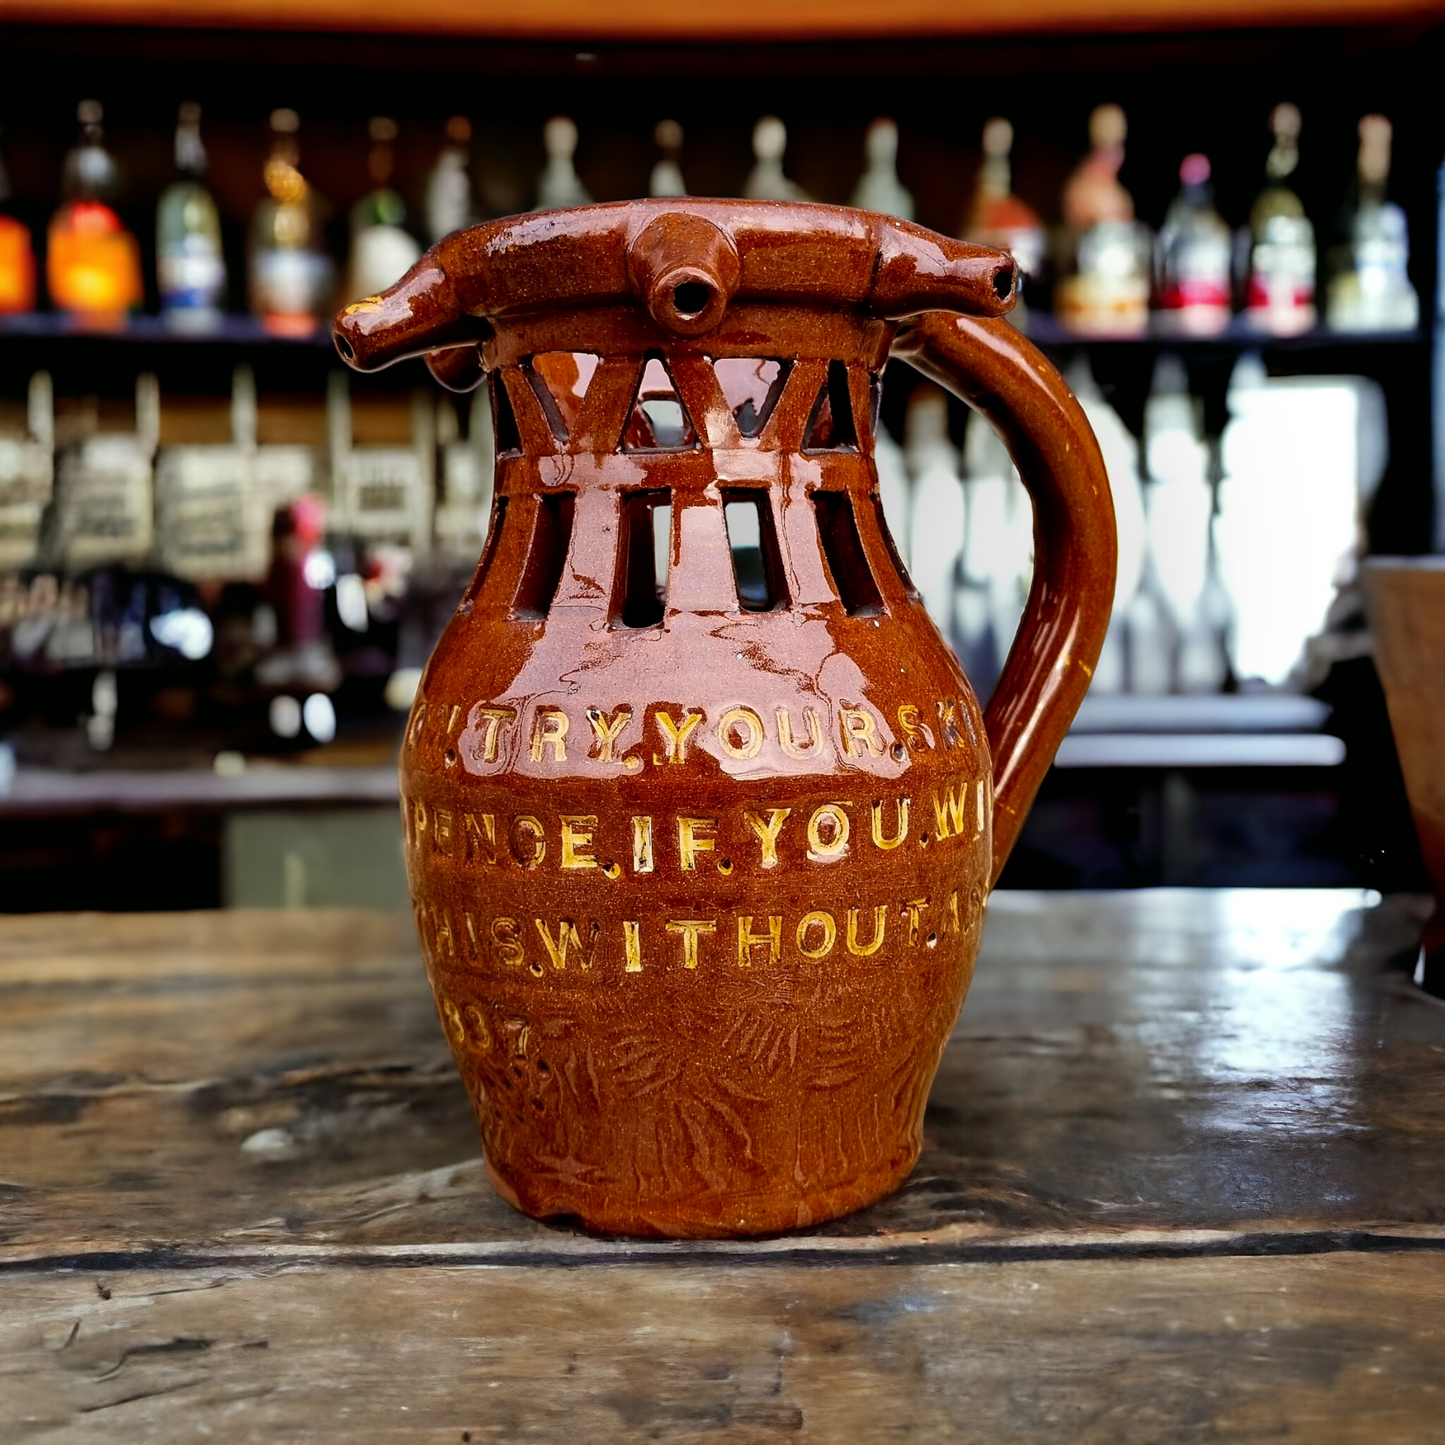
(644,20)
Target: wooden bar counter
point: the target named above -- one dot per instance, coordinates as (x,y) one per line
(1184,1181)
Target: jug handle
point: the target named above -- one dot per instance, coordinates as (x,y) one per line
(1005,378)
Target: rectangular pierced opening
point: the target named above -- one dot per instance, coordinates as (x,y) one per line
(489,547)
(662,546)
(646,533)
(504,419)
(546,556)
(838,532)
(757,563)
(890,546)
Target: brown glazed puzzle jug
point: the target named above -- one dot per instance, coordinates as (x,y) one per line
(699,849)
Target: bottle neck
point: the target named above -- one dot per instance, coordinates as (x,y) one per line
(190,153)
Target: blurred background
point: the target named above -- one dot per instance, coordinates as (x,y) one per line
(224,559)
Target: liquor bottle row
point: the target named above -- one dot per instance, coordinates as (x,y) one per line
(192,485)
(315,550)
(1104,269)
(1237,554)
(209,495)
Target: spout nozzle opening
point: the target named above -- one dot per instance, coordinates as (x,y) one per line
(1003,282)
(691,298)
(686,300)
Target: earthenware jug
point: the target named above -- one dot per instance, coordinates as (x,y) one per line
(1405,598)
(699,836)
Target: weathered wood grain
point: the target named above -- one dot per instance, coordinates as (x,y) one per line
(1147,1060)
(1183,1182)
(1341,1350)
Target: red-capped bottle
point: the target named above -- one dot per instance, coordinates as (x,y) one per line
(1192,258)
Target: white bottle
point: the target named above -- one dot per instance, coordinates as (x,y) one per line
(1180,502)
(190,264)
(1170,427)
(936,532)
(382,249)
(1179,505)
(560,184)
(467,467)
(1150,637)
(1281,290)
(895,491)
(1371,291)
(766,181)
(449,187)
(879,188)
(1121,461)
(666,177)
(998,554)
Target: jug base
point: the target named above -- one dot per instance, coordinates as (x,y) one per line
(736,1214)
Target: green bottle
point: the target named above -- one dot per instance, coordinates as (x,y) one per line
(190,265)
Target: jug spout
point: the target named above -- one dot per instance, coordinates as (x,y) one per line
(420,313)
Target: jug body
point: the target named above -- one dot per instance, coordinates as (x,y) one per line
(698,806)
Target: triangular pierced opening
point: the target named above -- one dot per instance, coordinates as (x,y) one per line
(659,421)
(504,419)
(560,380)
(751,385)
(830,428)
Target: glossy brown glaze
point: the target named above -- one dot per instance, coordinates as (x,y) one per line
(699,862)
(1406,599)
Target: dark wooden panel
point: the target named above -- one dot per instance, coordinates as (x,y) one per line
(1243,1061)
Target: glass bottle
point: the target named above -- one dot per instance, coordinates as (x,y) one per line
(1105,286)
(290,275)
(190,265)
(1370,289)
(1280,296)
(1192,257)
(879,188)
(17,256)
(92,263)
(382,249)
(449,187)
(1179,511)
(559,184)
(666,178)
(1120,449)
(767,180)
(997,216)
